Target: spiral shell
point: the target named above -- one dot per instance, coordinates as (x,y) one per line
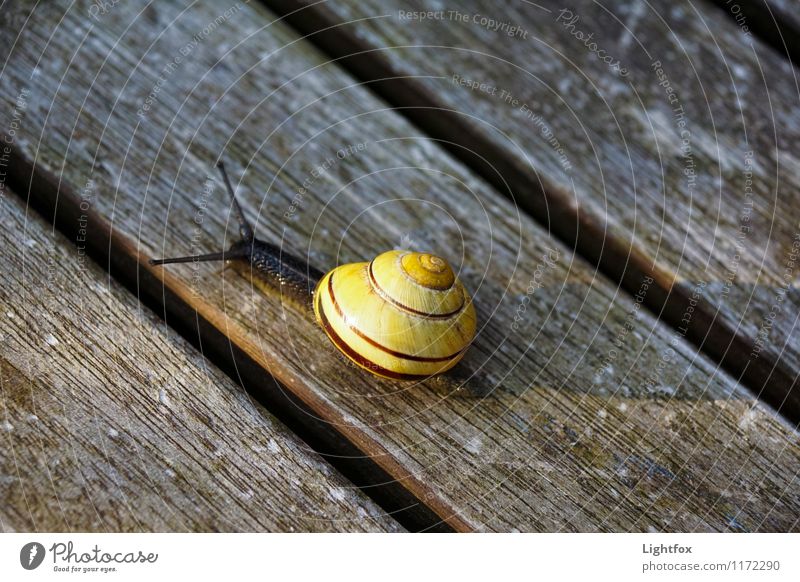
(404,315)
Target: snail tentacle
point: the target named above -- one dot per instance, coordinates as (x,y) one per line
(245,230)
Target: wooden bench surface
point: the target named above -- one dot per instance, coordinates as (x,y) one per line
(671,158)
(584,414)
(112,423)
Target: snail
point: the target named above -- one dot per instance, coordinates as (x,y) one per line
(403,315)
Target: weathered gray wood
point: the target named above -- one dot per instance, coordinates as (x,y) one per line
(558,426)
(111,423)
(607,148)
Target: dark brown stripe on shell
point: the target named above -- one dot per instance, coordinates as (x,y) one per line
(355,356)
(372,342)
(399,305)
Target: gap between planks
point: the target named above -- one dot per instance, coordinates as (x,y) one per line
(767,378)
(149,437)
(59,205)
(774,22)
(191,314)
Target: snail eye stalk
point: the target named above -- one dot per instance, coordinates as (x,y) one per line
(245,230)
(239,251)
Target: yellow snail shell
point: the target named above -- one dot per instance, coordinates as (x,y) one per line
(404,315)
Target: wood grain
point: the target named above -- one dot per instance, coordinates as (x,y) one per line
(109,422)
(574,409)
(598,154)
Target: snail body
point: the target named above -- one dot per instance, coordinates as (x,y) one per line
(403,315)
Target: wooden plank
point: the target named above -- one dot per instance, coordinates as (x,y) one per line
(599,156)
(561,423)
(111,423)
